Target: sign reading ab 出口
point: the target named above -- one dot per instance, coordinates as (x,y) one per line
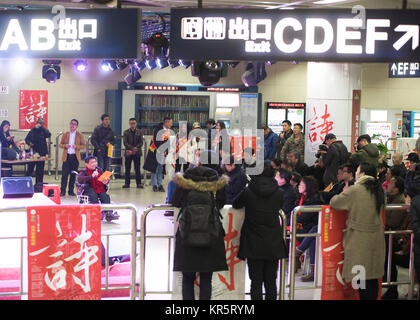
(88,34)
(301,35)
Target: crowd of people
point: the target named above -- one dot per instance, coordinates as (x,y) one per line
(361,183)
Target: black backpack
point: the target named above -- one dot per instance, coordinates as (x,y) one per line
(199,221)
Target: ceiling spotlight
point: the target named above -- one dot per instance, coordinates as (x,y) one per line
(133,76)
(151,64)
(162,63)
(254,73)
(141,65)
(209,72)
(121,64)
(233,64)
(157,46)
(80,65)
(51,71)
(184,63)
(105,66)
(173,63)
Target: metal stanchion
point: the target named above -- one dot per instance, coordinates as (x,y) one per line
(143,243)
(57,146)
(282,261)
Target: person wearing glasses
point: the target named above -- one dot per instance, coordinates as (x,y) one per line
(71,142)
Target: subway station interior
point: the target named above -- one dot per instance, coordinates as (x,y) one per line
(117,72)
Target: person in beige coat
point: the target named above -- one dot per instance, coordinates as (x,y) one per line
(364,239)
(71,142)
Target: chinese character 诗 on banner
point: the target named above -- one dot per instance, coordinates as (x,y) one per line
(64,252)
(33,104)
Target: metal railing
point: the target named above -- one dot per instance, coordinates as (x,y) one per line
(317,209)
(133,234)
(146,212)
(143,236)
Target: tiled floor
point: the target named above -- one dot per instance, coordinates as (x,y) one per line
(157,258)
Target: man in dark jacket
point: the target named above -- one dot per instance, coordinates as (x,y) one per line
(133,141)
(298,166)
(9,149)
(102,137)
(270,139)
(190,260)
(412,185)
(237,180)
(286,134)
(37,139)
(262,243)
(366,152)
(283,177)
(336,155)
(154,162)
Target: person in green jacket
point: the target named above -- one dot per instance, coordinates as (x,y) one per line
(366,152)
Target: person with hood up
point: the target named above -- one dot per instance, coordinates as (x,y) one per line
(366,152)
(190,260)
(261,242)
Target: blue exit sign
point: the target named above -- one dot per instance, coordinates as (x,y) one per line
(404,70)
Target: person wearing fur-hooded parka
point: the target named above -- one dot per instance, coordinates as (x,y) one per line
(191,260)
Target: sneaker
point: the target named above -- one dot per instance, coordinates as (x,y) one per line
(155,189)
(140,186)
(126,186)
(160,188)
(71,193)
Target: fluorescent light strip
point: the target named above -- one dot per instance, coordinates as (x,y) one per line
(328,1)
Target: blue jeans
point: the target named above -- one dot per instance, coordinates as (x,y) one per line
(103,160)
(309,243)
(157,176)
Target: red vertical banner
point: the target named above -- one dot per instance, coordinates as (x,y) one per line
(33,104)
(355,118)
(239,144)
(64,252)
(333,285)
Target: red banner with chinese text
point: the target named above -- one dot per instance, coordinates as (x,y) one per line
(33,104)
(334,286)
(239,144)
(64,252)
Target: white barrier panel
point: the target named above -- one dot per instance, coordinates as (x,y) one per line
(226,285)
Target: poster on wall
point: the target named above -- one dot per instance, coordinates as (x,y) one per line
(382,129)
(64,252)
(323,117)
(230,284)
(33,104)
(406,146)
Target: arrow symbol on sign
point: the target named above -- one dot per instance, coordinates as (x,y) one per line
(394,69)
(411,31)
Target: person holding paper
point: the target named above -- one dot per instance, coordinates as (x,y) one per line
(102,137)
(92,186)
